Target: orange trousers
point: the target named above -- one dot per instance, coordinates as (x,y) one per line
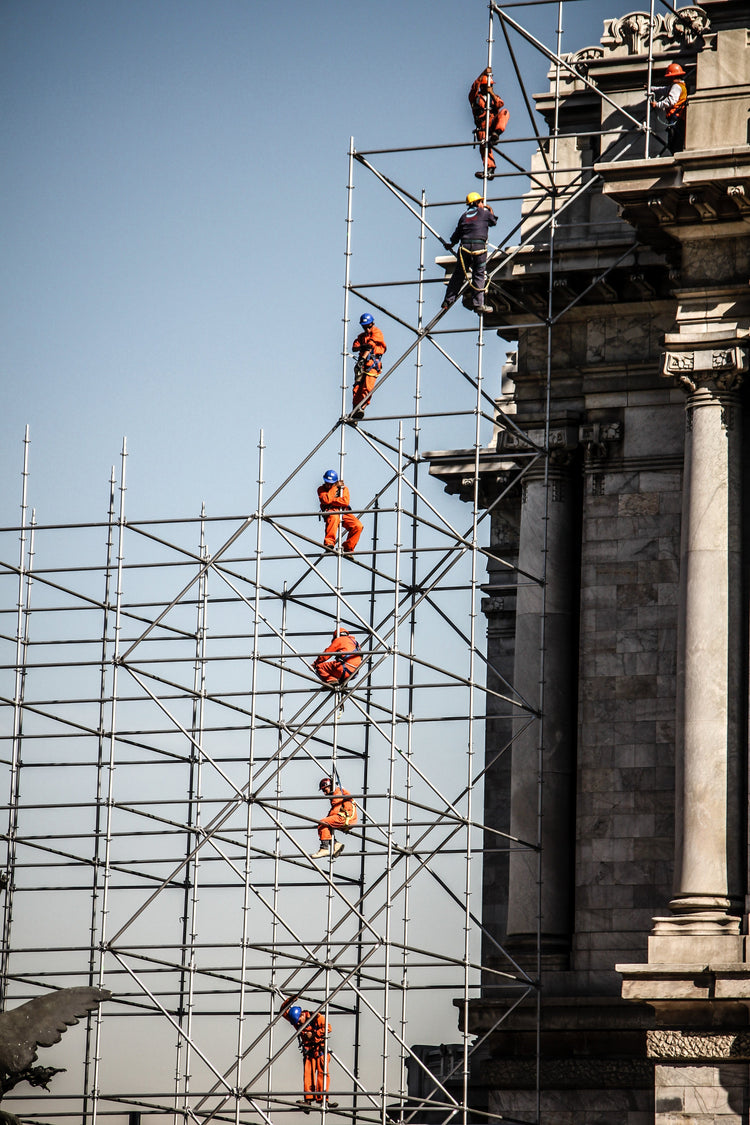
(334,823)
(362,388)
(354,528)
(317,1077)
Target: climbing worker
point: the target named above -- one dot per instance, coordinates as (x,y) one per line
(471,232)
(673,100)
(340,661)
(312,1031)
(490,119)
(342,816)
(371,347)
(334,503)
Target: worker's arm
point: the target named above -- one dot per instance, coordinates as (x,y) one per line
(666,97)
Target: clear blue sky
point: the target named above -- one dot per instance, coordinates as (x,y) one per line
(173,195)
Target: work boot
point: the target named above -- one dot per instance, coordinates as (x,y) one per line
(337,849)
(324,849)
(304,1105)
(483,309)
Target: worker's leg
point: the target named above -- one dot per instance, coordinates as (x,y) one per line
(456,281)
(354,528)
(332,526)
(676,136)
(329,824)
(362,388)
(478,279)
(309,1078)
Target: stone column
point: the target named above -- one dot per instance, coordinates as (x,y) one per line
(708,886)
(557,725)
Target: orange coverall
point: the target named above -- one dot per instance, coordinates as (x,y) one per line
(334,501)
(371,346)
(316,1060)
(333,666)
(341,818)
(479,94)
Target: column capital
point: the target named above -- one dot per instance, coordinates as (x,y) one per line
(718,365)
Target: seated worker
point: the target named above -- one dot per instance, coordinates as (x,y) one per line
(371,347)
(342,817)
(334,503)
(340,661)
(490,124)
(316,1061)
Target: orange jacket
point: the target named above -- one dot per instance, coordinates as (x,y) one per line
(370,340)
(311,1038)
(332,665)
(478,96)
(674,112)
(333,497)
(342,805)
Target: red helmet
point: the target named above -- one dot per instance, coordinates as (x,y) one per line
(325,784)
(674,70)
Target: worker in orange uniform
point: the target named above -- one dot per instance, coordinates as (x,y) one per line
(311,1036)
(371,347)
(340,661)
(672,99)
(490,119)
(334,503)
(342,817)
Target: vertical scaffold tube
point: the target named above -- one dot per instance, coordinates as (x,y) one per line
(15,760)
(250,778)
(107,873)
(95,875)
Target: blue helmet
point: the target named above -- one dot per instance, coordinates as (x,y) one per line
(295,1014)
(330,476)
(366,320)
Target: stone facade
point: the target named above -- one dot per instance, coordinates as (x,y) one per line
(631,540)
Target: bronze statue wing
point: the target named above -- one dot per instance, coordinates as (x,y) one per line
(41,1022)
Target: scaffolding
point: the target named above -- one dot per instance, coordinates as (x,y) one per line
(165,732)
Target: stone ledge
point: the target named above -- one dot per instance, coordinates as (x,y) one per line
(706,1046)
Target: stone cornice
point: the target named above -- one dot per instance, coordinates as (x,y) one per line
(667,200)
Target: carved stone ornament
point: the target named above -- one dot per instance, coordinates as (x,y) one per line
(633,30)
(722,366)
(596,437)
(581,59)
(492,605)
(629,35)
(707,1046)
(739,196)
(688,25)
(677,362)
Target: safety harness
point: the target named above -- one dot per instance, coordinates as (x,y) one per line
(467,266)
(367,364)
(343,657)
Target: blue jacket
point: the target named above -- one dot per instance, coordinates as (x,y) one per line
(473,226)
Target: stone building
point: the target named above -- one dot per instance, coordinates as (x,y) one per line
(638,522)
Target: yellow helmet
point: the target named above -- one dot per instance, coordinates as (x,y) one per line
(473,197)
